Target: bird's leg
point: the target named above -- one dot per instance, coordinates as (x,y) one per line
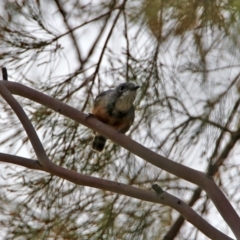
(89,115)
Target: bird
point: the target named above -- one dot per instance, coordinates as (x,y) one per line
(115,108)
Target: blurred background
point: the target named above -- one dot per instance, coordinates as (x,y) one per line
(185,56)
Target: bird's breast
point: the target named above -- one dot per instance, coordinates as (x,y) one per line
(120,121)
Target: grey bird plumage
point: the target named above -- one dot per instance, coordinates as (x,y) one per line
(115,108)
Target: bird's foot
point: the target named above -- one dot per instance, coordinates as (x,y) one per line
(89,115)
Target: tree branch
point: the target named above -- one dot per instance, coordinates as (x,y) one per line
(36,143)
(127,190)
(24,162)
(191,175)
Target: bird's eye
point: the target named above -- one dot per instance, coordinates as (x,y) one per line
(121,88)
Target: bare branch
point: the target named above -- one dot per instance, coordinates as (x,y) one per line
(191,175)
(25,162)
(146,195)
(37,146)
(70,30)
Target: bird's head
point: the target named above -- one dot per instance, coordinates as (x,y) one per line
(126,94)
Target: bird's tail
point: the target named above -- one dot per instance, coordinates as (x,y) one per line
(98,143)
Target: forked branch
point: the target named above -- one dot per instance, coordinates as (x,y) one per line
(196,177)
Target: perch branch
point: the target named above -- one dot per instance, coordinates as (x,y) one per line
(219,199)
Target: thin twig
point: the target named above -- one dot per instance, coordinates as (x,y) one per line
(4,74)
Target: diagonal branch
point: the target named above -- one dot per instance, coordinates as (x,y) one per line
(199,178)
(127,190)
(211,171)
(70,30)
(36,143)
(107,39)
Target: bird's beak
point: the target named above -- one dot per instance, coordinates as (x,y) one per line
(135,88)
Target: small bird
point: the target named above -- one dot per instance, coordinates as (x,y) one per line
(115,108)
